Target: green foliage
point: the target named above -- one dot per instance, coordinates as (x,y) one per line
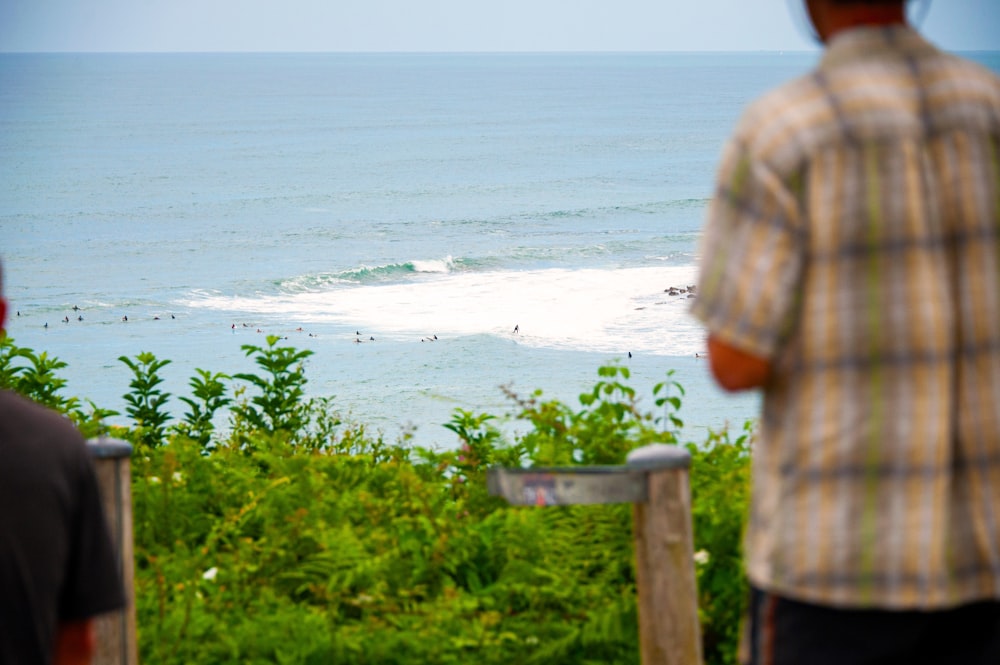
(465,467)
(208,396)
(288,555)
(609,425)
(34,376)
(670,403)
(279,405)
(720,499)
(146,402)
(297,538)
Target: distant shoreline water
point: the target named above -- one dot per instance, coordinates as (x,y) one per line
(399,196)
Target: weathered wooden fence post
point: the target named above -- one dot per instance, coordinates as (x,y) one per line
(116,631)
(655,480)
(664,554)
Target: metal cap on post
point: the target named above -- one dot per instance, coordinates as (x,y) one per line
(658,456)
(116,631)
(105,447)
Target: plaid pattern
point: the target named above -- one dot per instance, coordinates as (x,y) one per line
(854,240)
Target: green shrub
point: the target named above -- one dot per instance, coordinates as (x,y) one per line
(34,376)
(279,404)
(720,495)
(146,402)
(297,538)
(208,395)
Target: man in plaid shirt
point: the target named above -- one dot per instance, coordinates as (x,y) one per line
(850,268)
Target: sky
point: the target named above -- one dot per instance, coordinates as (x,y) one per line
(444,25)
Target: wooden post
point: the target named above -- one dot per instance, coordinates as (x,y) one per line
(116,631)
(655,481)
(669,633)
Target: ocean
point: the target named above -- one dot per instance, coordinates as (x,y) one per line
(431,226)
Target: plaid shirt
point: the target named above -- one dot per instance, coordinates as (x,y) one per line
(854,241)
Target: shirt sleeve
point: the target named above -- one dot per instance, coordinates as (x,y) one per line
(750,256)
(93,583)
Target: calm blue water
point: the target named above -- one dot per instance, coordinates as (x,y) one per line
(401,197)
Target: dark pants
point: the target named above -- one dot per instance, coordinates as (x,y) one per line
(781,631)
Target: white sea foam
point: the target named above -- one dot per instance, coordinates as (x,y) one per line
(441,265)
(591,310)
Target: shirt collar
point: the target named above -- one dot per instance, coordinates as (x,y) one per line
(874,42)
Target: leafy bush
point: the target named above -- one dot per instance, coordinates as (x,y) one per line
(146,402)
(280,404)
(208,392)
(297,538)
(34,376)
(720,499)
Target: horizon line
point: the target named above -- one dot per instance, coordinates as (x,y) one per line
(775,51)
(409,52)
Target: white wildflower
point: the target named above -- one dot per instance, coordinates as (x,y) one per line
(210,574)
(701,557)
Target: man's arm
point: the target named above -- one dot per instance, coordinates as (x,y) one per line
(734,369)
(75,643)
